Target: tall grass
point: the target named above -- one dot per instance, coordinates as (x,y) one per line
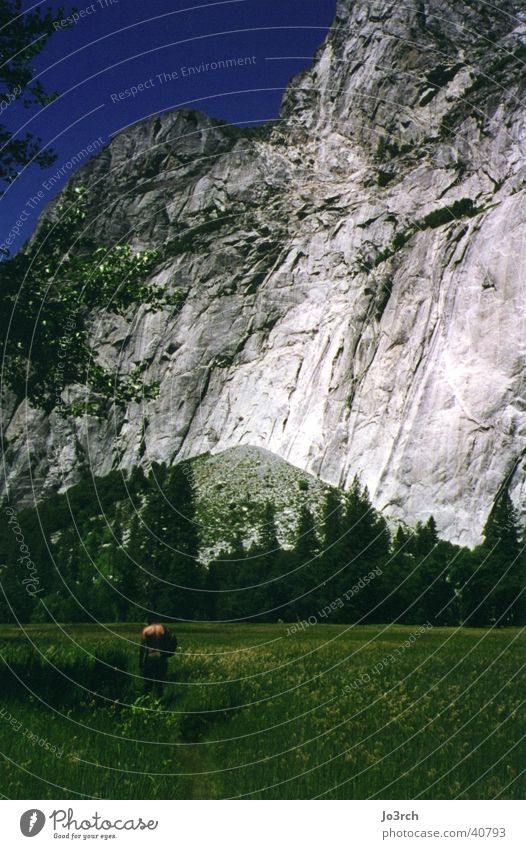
(250,712)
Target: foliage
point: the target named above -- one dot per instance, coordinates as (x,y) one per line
(464,208)
(49,295)
(114,547)
(497,575)
(165,544)
(22,37)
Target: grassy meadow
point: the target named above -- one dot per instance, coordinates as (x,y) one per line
(265,712)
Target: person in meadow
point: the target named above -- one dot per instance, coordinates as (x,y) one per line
(158,644)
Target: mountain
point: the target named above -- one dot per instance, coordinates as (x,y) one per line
(353,274)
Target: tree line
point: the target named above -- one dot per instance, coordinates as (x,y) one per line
(114,548)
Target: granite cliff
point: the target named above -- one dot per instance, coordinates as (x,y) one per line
(353,274)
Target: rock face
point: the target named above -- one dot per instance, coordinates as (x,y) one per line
(354,273)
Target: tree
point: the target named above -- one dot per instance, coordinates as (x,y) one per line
(262,565)
(364,547)
(16,603)
(490,580)
(330,560)
(268,535)
(433,587)
(502,528)
(501,576)
(124,572)
(305,565)
(396,586)
(306,540)
(167,545)
(22,37)
(469,584)
(430,585)
(49,295)
(73,585)
(425,538)
(226,582)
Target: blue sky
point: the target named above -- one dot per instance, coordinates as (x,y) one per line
(146,48)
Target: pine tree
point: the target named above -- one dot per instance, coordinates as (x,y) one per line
(502,528)
(268,535)
(165,542)
(364,548)
(499,581)
(332,519)
(331,556)
(263,567)
(425,538)
(306,540)
(434,592)
(124,573)
(396,587)
(305,573)
(490,580)
(133,579)
(227,579)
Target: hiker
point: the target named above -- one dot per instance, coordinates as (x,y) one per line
(158,644)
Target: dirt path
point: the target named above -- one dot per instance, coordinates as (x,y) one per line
(199,779)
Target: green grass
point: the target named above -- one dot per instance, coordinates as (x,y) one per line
(251,712)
